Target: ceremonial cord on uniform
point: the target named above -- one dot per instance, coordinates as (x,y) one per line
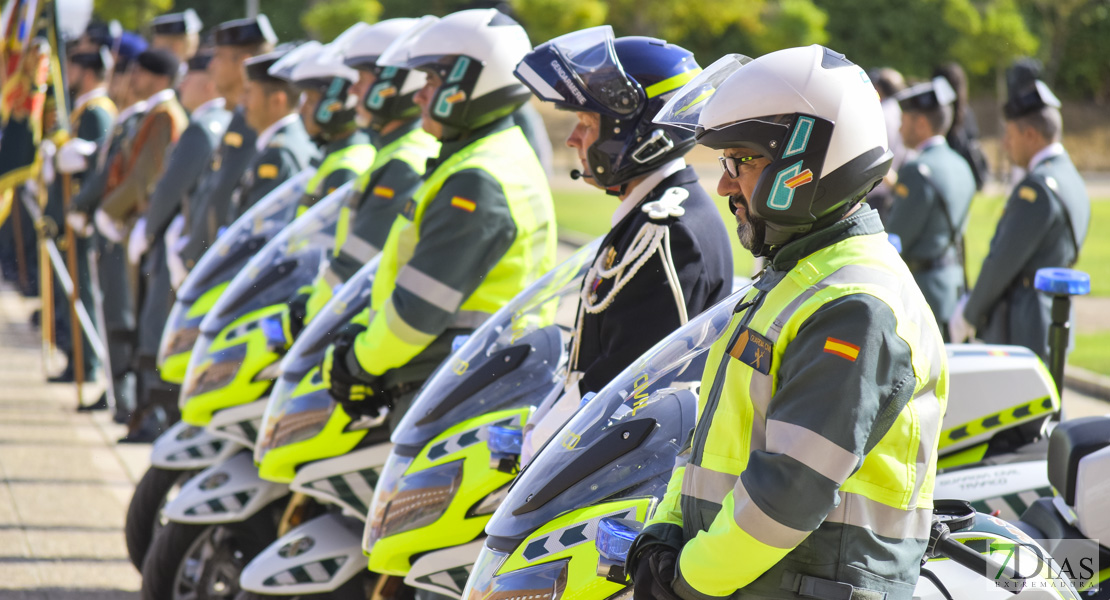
(651,238)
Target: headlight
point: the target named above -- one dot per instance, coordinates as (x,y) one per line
(214,377)
(182,341)
(415,500)
(541,582)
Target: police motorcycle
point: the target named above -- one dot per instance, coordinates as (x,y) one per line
(495,375)
(234,360)
(187,447)
(613,460)
(994,448)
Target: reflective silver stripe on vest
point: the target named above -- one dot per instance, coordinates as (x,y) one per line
(469,319)
(811,449)
(359,249)
(760,525)
(429,289)
(880,518)
(707,484)
(400,328)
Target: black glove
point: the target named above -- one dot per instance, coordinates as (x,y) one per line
(359,392)
(298,310)
(656,568)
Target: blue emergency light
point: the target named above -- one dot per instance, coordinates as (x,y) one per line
(274,330)
(1062,282)
(615,537)
(505,440)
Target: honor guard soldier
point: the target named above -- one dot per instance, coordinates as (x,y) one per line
(188,160)
(932,198)
(667,256)
(809,473)
(90,124)
(206,209)
(404,148)
(177,32)
(132,175)
(328,114)
(283,147)
(117,312)
(1044,225)
(479,229)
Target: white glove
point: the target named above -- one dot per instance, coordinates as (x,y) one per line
(79,222)
(73,157)
(175,242)
(959,330)
(109,228)
(137,244)
(48,150)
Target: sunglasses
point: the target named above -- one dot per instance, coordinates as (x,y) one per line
(732,165)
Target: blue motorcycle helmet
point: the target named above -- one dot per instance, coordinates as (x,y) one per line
(626,81)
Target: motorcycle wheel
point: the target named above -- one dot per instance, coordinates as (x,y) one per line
(203,562)
(144,514)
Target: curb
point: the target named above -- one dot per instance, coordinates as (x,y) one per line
(1087,382)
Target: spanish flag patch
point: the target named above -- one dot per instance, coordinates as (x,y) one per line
(841,348)
(463,203)
(267,171)
(382,191)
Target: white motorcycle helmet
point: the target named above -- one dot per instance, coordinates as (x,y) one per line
(809,110)
(390,98)
(474,52)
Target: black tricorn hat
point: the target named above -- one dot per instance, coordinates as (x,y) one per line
(244,32)
(176,23)
(926,96)
(1028,97)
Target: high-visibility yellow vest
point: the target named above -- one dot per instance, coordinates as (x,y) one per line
(885,503)
(389,342)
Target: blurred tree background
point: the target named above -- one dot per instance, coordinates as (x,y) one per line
(1071,37)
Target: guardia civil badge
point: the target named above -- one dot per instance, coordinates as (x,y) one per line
(753,350)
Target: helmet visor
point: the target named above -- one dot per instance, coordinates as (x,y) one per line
(580,70)
(684,108)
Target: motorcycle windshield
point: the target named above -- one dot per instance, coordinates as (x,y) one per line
(298,408)
(624,440)
(517,355)
(285,264)
(245,237)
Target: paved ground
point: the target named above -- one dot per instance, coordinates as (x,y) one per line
(65,484)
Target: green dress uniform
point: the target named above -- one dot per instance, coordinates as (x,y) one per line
(932,200)
(184,167)
(1044,224)
(206,207)
(282,152)
(90,120)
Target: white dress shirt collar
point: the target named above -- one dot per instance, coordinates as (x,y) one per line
(269,133)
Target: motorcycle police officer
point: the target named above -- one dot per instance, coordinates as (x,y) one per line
(667,256)
(932,198)
(1044,225)
(479,229)
(404,149)
(819,413)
